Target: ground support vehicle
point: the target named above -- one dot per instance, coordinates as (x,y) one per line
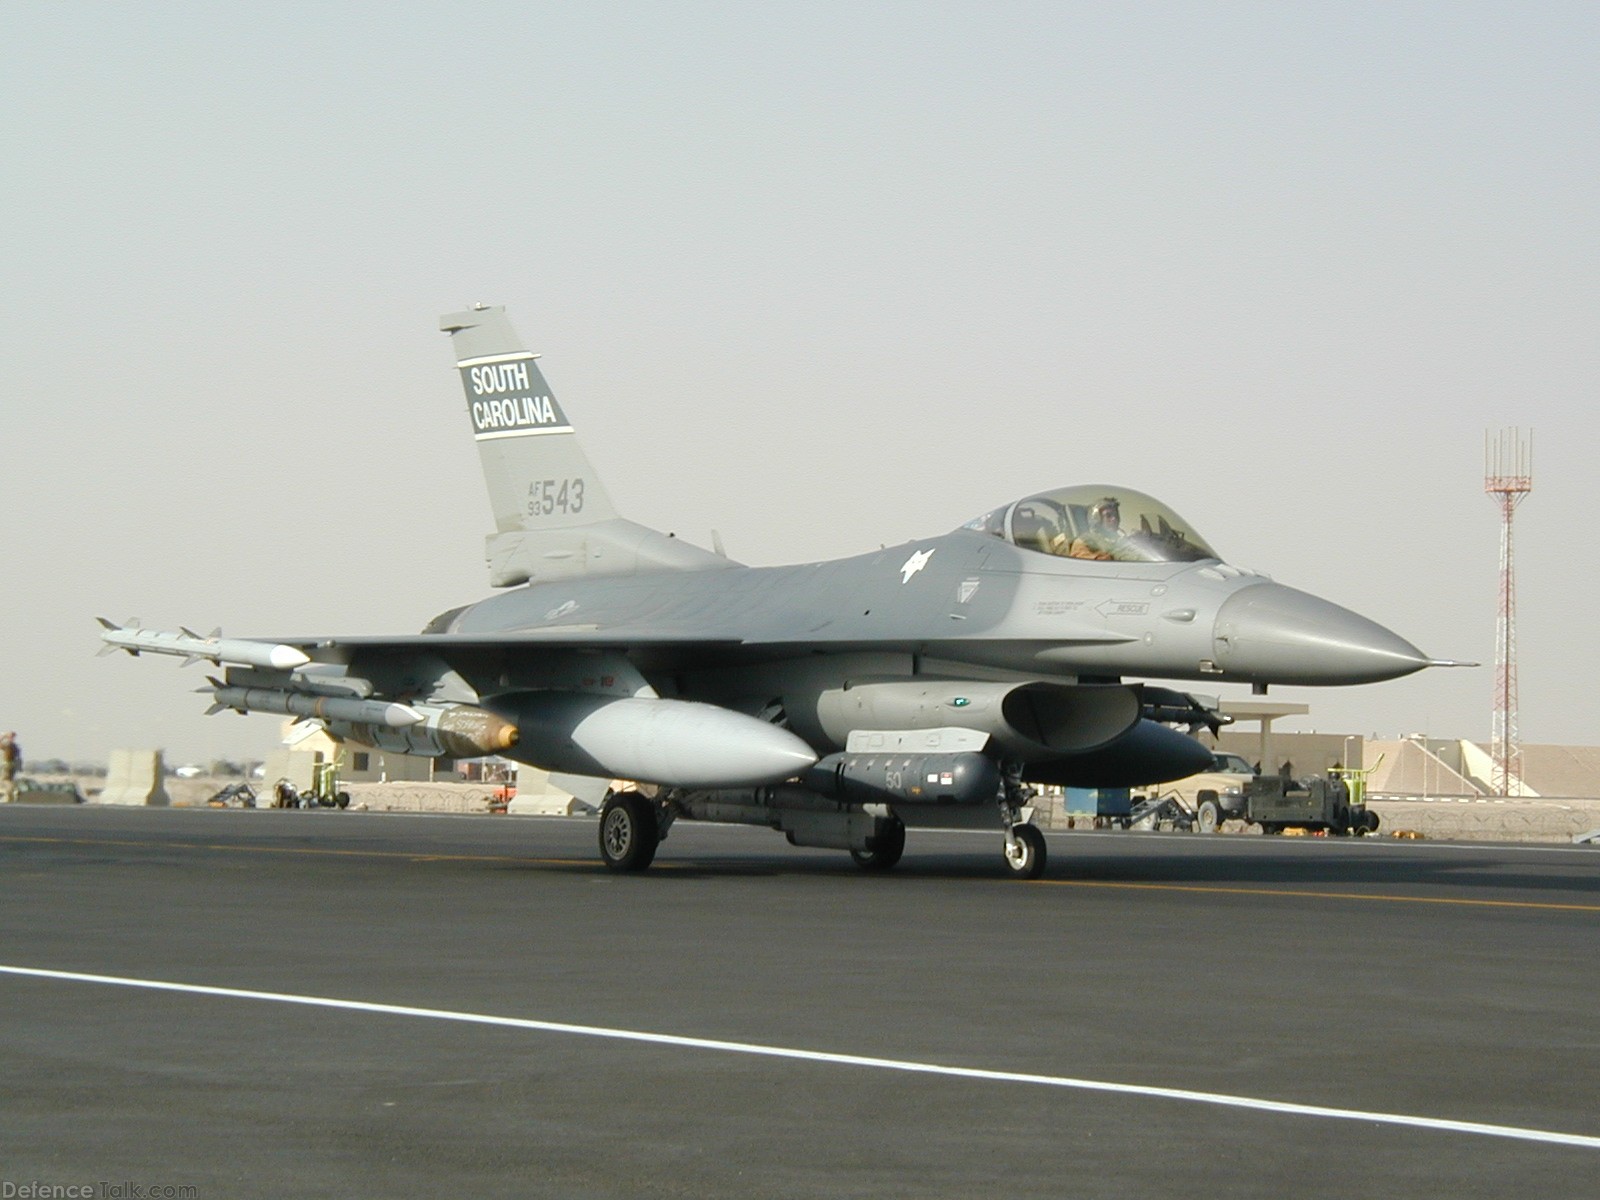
(324,791)
(1215,795)
(1320,803)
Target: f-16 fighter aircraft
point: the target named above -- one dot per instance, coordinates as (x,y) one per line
(927,685)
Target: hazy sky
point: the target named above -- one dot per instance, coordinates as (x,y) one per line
(817,276)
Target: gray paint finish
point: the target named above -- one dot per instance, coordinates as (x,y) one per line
(630,653)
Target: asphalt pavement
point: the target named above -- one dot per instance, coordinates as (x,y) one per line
(271,1003)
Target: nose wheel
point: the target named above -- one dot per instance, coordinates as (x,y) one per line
(1024,846)
(1025,852)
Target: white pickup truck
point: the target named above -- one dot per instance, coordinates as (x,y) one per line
(1217,794)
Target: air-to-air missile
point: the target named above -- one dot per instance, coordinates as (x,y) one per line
(428,730)
(306,704)
(454,731)
(189,645)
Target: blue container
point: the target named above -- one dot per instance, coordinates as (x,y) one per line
(1097,802)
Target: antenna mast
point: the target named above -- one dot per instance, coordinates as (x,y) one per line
(1508,477)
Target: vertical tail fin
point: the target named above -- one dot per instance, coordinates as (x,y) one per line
(537,473)
(553,517)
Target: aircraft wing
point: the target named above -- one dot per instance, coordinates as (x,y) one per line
(474,652)
(341,648)
(656,644)
(536,658)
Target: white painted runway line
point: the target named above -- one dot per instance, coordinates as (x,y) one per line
(1436,1124)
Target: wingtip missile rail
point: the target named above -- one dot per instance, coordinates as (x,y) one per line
(193,648)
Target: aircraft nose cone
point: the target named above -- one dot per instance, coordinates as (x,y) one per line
(1269,633)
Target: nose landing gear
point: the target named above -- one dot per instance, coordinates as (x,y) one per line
(1024,845)
(1025,852)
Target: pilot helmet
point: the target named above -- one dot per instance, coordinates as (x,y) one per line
(1106,511)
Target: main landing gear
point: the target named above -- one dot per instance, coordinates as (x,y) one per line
(634,823)
(630,831)
(884,847)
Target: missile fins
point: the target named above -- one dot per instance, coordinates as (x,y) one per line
(193,648)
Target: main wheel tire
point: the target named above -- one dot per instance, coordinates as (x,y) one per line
(629,832)
(1208,816)
(1025,853)
(887,845)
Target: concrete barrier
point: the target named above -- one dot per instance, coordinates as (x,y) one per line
(1488,818)
(135,777)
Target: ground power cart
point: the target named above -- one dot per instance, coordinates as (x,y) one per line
(1319,804)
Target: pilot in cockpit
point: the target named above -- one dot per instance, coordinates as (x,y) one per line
(1101,537)
(1086,522)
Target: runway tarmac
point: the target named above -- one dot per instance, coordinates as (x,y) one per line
(270,1003)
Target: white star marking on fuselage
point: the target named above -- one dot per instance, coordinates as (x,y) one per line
(914,564)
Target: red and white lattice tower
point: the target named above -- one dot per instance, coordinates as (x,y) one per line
(1508,477)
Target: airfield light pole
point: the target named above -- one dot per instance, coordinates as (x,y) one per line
(1508,477)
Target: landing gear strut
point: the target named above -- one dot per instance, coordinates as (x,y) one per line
(1024,847)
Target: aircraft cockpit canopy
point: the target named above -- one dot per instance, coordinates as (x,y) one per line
(1099,522)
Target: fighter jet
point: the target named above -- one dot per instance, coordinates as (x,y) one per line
(932,684)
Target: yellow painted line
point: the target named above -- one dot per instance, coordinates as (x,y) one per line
(408,856)
(1205,889)
(1286,893)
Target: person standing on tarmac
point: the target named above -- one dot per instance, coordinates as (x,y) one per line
(10,766)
